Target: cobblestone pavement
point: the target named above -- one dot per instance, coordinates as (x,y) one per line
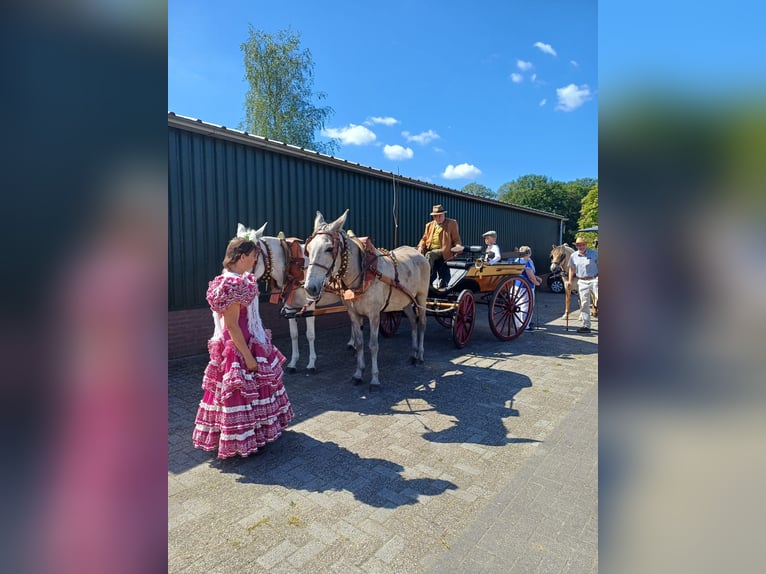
(481,460)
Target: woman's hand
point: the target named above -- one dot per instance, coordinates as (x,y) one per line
(251,364)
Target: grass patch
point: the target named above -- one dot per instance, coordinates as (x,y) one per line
(295,521)
(261,522)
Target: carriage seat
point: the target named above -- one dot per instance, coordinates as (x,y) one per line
(459,264)
(509,255)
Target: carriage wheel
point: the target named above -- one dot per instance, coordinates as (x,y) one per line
(444,319)
(463,321)
(510,308)
(389,322)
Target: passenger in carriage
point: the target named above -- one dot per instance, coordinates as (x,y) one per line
(530,273)
(440,243)
(492,252)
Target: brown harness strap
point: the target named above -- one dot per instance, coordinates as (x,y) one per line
(369,257)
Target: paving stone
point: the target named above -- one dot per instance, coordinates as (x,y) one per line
(462,464)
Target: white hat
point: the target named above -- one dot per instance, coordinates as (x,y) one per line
(492,233)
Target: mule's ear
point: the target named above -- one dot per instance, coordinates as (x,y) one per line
(259,232)
(318,220)
(338,223)
(241,230)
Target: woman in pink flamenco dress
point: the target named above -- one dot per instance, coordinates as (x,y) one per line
(244,405)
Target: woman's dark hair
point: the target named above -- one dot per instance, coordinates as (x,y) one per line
(237,247)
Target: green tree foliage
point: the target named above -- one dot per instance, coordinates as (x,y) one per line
(589,214)
(279,104)
(546,194)
(589,209)
(479,190)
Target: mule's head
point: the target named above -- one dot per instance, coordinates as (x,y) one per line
(255,235)
(324,251)
(558,255)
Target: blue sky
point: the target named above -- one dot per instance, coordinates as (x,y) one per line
(437,90)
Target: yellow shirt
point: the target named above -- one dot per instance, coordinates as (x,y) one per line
(436,242)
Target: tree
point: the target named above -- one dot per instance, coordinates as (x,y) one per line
(589,209)
(279,104)
(546,194)
(479,190)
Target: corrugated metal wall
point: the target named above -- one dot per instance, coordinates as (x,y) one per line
(218,178)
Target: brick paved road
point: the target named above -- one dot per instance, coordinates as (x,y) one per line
(481,460)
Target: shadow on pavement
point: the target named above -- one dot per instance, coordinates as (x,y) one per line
(300,462)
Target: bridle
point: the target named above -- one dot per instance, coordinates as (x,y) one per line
(267,262)
(558,261)
(339,249)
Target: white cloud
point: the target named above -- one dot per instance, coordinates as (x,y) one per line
(524,66)
(572,97)
(462,171)
(543,102)
(387,121)
(421,138)
(534,77)
(397,152)
(351,135)
(574,63)
(516,78)
(547,48)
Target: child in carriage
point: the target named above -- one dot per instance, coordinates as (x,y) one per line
(492,252)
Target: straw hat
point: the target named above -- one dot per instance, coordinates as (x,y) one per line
(438,210)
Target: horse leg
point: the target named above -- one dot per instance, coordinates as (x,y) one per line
(350,344)
(422,321)
(311,336)
(356,331)
(415,332)
(294,340)
(374,328)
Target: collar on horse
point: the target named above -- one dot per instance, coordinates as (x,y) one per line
(293,273)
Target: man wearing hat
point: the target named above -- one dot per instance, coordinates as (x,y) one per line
(440,243)
(492,252)
(584,265)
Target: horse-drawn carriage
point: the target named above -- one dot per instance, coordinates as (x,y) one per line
(381,285)
(502,287)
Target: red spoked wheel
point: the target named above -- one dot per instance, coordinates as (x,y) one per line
(389,322)
(510,308)
(463,321)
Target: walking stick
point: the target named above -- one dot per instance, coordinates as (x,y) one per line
(568,295)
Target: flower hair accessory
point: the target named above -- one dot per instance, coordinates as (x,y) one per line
(251,234)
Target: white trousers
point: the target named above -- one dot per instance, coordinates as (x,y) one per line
(585,288)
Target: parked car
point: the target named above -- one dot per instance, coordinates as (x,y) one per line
(556,282)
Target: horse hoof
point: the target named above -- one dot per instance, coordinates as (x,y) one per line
(291,370)
(351,348)
(413,361)
(312,371)
(374,387)
(356,381)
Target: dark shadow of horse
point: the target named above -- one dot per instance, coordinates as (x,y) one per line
(328,467)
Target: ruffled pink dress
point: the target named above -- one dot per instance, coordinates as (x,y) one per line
(240,410)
